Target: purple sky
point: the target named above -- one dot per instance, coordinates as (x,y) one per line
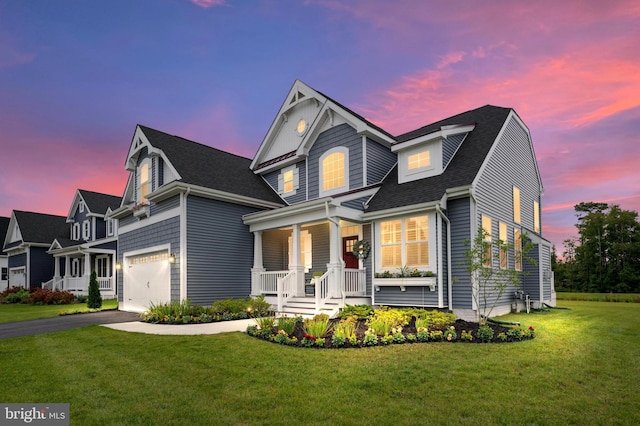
(76,77)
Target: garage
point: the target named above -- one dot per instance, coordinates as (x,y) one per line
(18,277)
(147,279)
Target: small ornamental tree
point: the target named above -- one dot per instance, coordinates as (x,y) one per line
(489,281)
(94,301)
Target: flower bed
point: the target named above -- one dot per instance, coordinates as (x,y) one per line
(184,312)
(391,326)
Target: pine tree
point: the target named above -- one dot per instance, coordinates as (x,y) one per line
(95,299)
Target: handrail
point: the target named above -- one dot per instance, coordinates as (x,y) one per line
(285,288)
(269,281)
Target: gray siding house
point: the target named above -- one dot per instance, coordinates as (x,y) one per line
(4,264)
(26,243)
(331,206)
(89,245)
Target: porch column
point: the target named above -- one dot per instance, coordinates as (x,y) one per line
(258,267)
(296,260)
(87,265)
(56,268)
(67,272)
(335,261)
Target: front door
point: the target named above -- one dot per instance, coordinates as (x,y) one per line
(350,259)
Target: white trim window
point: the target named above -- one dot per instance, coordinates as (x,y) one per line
(504,251)
(144,180)
(75,231)
(334,171)
(536,217)
(516,204)
(419,160)
(5,274)
(306,252)
(404,242)
(111,227)
(81,206)
(86,230)
(486,242)
(103,266)
(288,181)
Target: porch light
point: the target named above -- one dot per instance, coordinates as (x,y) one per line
(172,258)
(118,265)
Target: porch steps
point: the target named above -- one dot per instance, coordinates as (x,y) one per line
(306,307)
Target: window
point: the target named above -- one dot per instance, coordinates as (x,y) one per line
(404,242)
(76,270)
(516,205)
(288,181)
(144,177)
(75,232)
(305,250)
(110,227)
(81,207)
(103,267)
(517,248)
(486,241)
(86,230)
(419,160)
(5,274)
(536,217)
(334,171)
(504,259)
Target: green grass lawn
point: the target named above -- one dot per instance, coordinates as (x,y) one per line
(582,368)
(20,312)
(599,297)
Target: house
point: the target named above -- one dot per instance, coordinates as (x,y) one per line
(180,229)
(4,264)
(203,224)
(89,245)
(29,236)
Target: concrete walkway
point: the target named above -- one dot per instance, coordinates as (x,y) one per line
(183,329)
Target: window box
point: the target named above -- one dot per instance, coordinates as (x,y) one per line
(405,282)
(140,210)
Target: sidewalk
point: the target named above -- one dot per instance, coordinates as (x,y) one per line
(183,329)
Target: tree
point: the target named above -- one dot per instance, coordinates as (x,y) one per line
(94,301)
(489,283)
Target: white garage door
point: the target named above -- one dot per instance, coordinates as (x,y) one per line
(146,280)
(17,277)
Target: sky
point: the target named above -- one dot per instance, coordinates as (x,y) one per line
(77,76)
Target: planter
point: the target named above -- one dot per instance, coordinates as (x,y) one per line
(141,212)
(403,283)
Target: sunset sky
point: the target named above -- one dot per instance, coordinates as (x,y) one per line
(77,76)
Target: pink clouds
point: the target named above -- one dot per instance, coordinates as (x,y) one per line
(208,3)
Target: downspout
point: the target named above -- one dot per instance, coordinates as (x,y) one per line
(183,245)
(474,232)
(330,219)
(449,277)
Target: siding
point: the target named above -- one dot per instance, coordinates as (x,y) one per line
(274,250)
(17,260)
(41,266)
(357,204)
(301,192)
(460,216)
(165,232)
(113,245)
(165,205)
(219,251)
(449,147)
(380,160)
(339,136)
(531,277)
(413,296)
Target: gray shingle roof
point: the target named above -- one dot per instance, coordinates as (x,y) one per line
(99,203)
(211,168)
(4,226)
(462,169)
(40,227)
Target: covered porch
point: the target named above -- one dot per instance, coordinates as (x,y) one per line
(303,261)
(72,270)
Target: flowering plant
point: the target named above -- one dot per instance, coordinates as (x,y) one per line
(139,206)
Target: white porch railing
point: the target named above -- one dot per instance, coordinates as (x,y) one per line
(269,281)
(326,287)
(54,284)
(78,284)
(286,287)
(355,282)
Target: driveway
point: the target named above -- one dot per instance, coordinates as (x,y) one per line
(65,322)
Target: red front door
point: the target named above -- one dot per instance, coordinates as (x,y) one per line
(350,259)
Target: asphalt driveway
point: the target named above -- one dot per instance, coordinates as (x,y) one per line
(66,322)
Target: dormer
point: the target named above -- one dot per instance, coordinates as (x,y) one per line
(429,154)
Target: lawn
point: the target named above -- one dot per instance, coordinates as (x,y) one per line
(599,297)
(582,368)
(20,312)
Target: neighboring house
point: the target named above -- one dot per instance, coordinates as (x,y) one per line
(203,224)
(89,245)
(27,241)
(180,231)
(4,264)
(416,198)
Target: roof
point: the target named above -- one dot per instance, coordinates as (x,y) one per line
(99,203)
(4,226)
(209,167)
(40,227)
(462,169)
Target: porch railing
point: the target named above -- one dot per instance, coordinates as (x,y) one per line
(326,288)
(77,284)
(286,288)
(54,284)
(355,282)
(269,281)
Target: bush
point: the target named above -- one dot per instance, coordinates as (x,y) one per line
(95,298)
(485,333)
(15,295)
(44,296)
(358,311)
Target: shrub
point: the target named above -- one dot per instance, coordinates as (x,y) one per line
(370,338)
(436,335)
(423,335)
(485,333)
(450,334)
(230,306)
(16,295)
(257,306)
(95,299)
(317,326)
(515,332)
(438,320)
(358,311)
(411,338)
(44,296)
(466,336)
(286,325)
(266,323)
(384,319)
